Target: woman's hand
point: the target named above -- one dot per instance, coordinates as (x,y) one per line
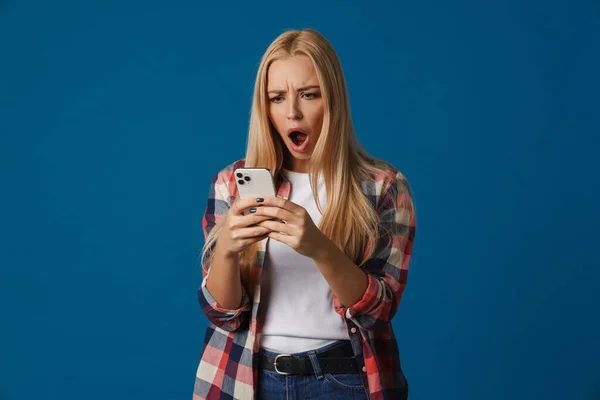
(240,231)
(298,229)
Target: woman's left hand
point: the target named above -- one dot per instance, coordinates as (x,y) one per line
(299,231)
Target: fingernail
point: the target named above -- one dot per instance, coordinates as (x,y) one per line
(260,200)
(252,210)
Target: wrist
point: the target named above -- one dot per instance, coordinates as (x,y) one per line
(223,252)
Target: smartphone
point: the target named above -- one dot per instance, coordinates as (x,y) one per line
(254,182)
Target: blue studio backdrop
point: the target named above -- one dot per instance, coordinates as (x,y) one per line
(114,117)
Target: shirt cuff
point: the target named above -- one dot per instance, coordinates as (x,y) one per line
(368,301)
(245,306)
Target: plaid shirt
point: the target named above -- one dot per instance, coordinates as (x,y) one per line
(228,366)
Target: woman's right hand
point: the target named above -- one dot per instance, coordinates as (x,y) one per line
(238,232)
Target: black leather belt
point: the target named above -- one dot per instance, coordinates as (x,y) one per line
(339,360)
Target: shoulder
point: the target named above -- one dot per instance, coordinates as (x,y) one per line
(393,198)
(225,174)
(388,178)
(223,182)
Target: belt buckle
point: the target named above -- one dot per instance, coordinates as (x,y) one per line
(275,364)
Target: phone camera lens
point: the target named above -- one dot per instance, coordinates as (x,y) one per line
(239,174)
(241,182)
(247,178)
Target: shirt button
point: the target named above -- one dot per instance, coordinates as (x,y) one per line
(364,369)
(353,330)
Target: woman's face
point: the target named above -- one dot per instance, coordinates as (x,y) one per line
(295,108)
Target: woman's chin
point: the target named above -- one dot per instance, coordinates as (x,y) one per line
(304,155)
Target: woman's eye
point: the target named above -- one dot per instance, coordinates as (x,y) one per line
(310,95)
(276,99)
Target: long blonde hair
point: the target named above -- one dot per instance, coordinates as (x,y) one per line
(349,219)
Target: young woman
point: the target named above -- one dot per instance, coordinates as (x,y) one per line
(300,293)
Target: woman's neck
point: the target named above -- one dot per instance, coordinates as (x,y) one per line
(299,166)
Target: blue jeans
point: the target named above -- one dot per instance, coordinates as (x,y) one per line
(273,386)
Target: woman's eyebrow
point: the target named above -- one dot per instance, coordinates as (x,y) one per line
(298,90)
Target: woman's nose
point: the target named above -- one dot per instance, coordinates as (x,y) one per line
(294,111)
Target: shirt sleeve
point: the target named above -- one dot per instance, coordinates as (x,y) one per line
(388,266)
(217,207)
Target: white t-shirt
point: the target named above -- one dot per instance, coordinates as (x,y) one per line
(296,301)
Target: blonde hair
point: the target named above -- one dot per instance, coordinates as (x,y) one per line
(349,219)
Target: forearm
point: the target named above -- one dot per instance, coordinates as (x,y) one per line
(224,281)
(347,281)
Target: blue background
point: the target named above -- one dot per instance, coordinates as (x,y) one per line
(114,116)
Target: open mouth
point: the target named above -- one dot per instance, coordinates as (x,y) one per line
(298,137)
